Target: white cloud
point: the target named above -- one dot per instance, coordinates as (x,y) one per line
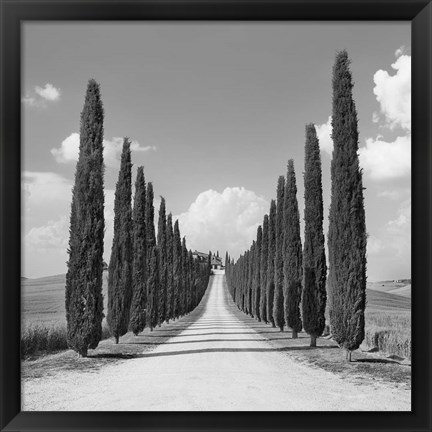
(393,92)
(381,159)
(48,92)
(386,160)
(40,96)
(324,132)
(223,221)
(113,149)
(400,51)
(52,235)
(69,150)
(41,187)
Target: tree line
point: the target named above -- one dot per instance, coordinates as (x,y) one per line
(283,283)
(151,279)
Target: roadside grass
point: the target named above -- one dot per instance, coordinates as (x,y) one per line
(389,332)
(39,339)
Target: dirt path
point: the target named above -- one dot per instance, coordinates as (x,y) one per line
(216,363)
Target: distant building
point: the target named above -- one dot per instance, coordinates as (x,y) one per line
(216,262)
(200,256)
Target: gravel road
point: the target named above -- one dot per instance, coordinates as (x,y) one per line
(216,363)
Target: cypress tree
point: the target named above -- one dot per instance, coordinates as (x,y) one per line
(347,227)
(177,254)
(139,257)
(153,284)
(278,305)
(271,262)
(314,261)
(191,272)
(83,292)
(162,243)
(257,274)
(170,264)
(251,254)
(292,254)
(120,266)
(263,270)
(184,277)
(152,294)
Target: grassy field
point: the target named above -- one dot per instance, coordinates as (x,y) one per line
(43,300)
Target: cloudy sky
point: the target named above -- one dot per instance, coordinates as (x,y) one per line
(215,111)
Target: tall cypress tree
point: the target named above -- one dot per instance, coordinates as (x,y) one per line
(152,294)
(139,257)
(170,265)
(347,227)
(120,266)
(314,261)
(278,305)
(292,254)
(162,243)
(177,267)
(184,278)
(257,274)
(191,275)
(263,270)
(83,292)
(271,262)
(153,284)
(251,254)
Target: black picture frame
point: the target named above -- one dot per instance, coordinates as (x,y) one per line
(14,12)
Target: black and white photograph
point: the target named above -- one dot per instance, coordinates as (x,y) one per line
(216,216)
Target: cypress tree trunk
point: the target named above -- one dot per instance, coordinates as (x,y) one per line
(162,243)
(271,262)
(347,228)
(278,305)
(313,340)
(263,270)
(314,261)
(83,292)
(292,254)
(139,264)
(152,299)
(120,266)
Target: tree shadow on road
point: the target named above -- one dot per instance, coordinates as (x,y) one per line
(207,350)
(377,360)
(206,334)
